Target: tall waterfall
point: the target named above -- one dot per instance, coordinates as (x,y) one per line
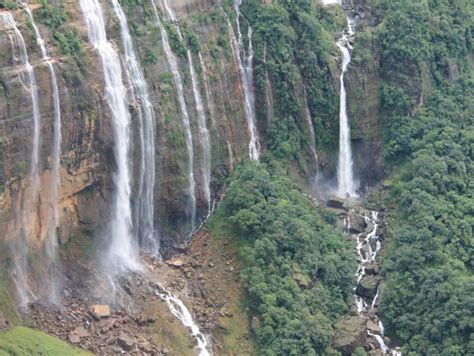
(145,205)
(122,249)
(173,63)
(204,136)
(246,72)
(51,242)
(346,185)
(20,248)
(209,98)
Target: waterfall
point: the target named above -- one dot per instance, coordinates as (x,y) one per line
(51,243)
(204,136)
(209,98)
(346,185)
(145,229)
(20,248)
(367,258)
(173,63)
(179,310)
(246,72)
(122,249)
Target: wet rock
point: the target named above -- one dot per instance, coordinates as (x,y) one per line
(100,311)
(367,287)
(373,327)
(351,333)
(336,203)
(357,224)
(125,341)
(372,269)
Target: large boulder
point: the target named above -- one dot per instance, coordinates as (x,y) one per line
(351,332)
(100,311)
(367,287)
(336,203)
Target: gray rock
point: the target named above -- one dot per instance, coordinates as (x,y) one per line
(351,333)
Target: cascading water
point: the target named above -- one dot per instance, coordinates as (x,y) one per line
(246,72)
(51,242)
(179,310)
(20,248)
(346,185)
(173,63)
(204,136)
(123,251)
(145,204)
(367,250)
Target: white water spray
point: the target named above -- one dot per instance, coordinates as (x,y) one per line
(145,229)
(346,185)
(173,63)
(123,249)
(51,242)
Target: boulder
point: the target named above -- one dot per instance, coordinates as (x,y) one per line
(367,287)
(351,333)
(336,203)
(357,224)
(125,341)
(100,311)
(81,332)
(73,338)
(372,269)
(373,327)
(175,262)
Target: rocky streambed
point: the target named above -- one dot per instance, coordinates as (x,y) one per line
(363,327)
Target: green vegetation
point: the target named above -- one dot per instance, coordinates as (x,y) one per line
(294,48)
(426,101)
(8,4)
(298,269)
(55,17)
(23,341)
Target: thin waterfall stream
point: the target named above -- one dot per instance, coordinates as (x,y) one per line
(173,63)
(122,250)
(21,247)
(51,242)
(149,240)
(245,65)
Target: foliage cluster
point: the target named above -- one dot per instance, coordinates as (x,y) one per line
(55,17)
(293,47)
(298,268)
(426,100)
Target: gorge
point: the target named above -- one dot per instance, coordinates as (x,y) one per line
(236,177)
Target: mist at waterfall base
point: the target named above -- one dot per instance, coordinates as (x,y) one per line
(122,250)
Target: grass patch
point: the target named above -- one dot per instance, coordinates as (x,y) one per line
(24,341)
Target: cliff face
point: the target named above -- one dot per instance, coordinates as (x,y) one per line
(87,157)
